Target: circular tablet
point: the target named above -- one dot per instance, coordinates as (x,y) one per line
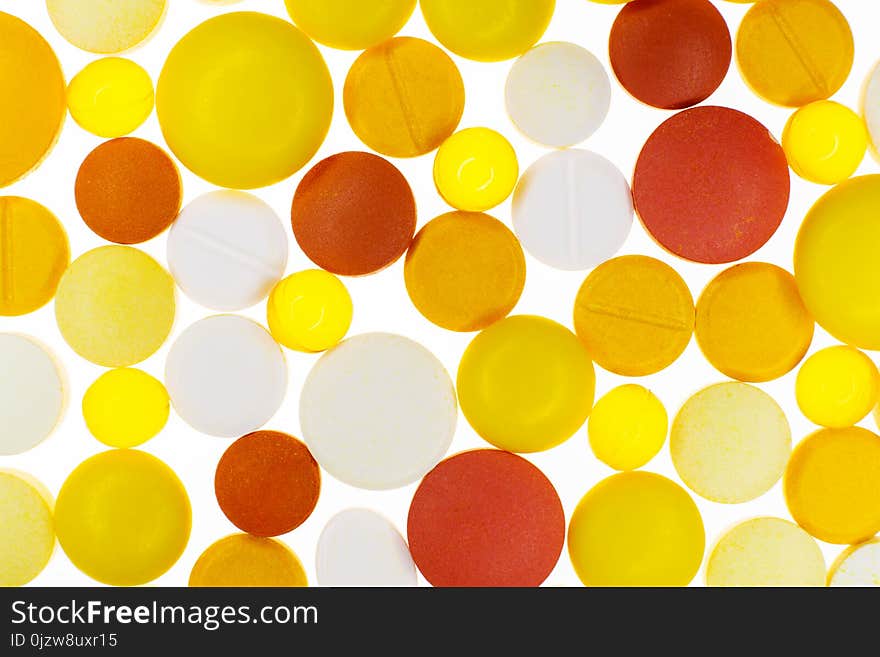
(486,518)
(227,250)
(34,253)
(558,94)
(858,565)
(670,54)
(378,411)
(105,27)
(465,271)
(825,142)
(572,210)
(684,176)
(488,30)
(353,214)
(792,52)
(837,387)
(115,306)
(831,485)
(34,99)
(752,324)
(359,547)
(28,528)
(404,97)
(110,97)
(128,190)
(125,407)
(766,552)
(244,100)
(730,443)
(309,311)
(526,384)
(628,427)
(267,483)
(636,529)
(240,560)
(123,517)
(226,376)
(350,24)
(635,315)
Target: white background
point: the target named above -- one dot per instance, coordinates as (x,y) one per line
(381,302)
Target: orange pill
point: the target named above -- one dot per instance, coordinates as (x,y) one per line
(240,560)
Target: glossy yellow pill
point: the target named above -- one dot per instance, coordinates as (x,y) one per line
(350,24)
(636,529)
(628,427)
(309,311)
(243,560)
(123,517)
(28,528)
(105,26)
(837,387)
(125,407)
(110,97)
(825,142)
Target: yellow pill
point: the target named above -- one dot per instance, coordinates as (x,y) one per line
(115,306)
(766,552)
(526,384)
(309,311)
(825,142)
(837,387)
(28,528)
(350,24)
(857,566)
(636,529)
(103,26)
(242,560)
(125,407)
(627,427)
(110,97)
(123,517)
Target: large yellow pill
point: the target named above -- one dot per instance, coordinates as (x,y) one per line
(628,427)
(123,517)
(28,528)
(636,529)
(825,142)
(350,24)
(110,97)
(526,384)
(837,387)
(248,561)
(244,100)
(125,407)
(105,26)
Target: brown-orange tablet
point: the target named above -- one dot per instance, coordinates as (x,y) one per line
(128,190)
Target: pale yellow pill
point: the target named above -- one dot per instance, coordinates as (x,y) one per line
(27,532)
(858,565)
(105,26)
(125,407)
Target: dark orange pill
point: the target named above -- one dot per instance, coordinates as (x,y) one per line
(267,483)
(354,214)
(711,185)
(486,518)
(670,54)
(128,190)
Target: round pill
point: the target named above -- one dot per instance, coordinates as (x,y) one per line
(241,560)
(110,97)
(766,552)
(354,214)
(635,315)
(309,311)
(558,94)
(378,411)
(752,324)
(730,443)
(28,528)
(226,376)
(825,142)
(115,306)
(404,97)
(837,387)
(831,485)
(34,98)
(670,54)
(636,529)
(267,483)
(628,427)
(244,100)
(486,518)
(34,253)
(359,547)
(858,565)
(128,190)
(475,170)
(684,176)
(105,27)
(465,271)
(123,517)
(350,24)
(526,384)
(793,52)
(572,210)
(125,407)
(488,30)
(227,250)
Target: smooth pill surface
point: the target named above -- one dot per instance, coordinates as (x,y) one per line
(825,142)
(241,560)
(857,566)
(110,97)
(837,387)
(627,427)
(105,27)
(350,24)
(28,528)
(125,407)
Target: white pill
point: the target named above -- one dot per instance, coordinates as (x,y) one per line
(226,376)
(378,411)
(31,393)
(227,250)
(871,109)
(572,210)
(359,547)
(859,565)
(558,94)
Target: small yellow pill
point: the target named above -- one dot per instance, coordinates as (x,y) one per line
(628,427)
(110,97)
(243,560)
(27,528)
(825,142)
(350,24)
(125,407)
(837,387)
